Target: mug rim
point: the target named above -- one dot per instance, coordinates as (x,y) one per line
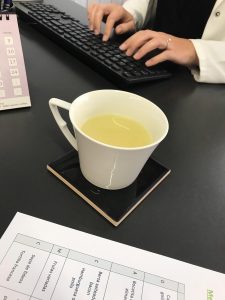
(119,147)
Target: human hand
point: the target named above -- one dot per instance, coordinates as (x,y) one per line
(114,13)
(177,50)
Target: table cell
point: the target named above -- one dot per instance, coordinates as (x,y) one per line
(49,277)
(123,270)
(180,296)
(32,242)
(181,288)
(91,260)
(162,282)
(14,72)
(79,281)
(21,267)
(12,61)
(157,293)
(16,82)
(17,91)
(60,251)
(123,287)
(6,294)
(8,40)
(10,51)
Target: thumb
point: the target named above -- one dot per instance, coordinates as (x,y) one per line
(125,27)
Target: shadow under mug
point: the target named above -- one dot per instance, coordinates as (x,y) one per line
(107,166)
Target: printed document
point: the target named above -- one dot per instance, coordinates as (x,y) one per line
(43,260)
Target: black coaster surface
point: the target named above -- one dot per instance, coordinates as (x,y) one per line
(114,205)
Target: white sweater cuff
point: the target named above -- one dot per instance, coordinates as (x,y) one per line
(138,9)
(211,61)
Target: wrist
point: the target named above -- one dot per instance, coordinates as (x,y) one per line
(194,56)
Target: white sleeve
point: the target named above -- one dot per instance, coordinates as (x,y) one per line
(138,9)
(211,56)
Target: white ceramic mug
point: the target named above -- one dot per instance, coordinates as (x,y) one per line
(104,165)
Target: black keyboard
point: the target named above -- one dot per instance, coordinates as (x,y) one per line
(104,57)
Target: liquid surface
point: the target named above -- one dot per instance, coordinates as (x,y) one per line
(117,130)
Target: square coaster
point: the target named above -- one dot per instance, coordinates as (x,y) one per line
(114,205)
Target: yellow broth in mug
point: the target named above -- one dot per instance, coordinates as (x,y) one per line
(117,130)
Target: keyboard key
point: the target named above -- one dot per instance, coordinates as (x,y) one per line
(116,67)
(127,74)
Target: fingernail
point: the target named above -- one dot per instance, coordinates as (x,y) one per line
(104,38)
(122,47)
(118,30)
(128,53)
(148,63)
(96,32)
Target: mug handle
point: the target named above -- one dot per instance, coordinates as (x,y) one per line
(54,103)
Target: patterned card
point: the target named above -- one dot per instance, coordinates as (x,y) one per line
(14,91)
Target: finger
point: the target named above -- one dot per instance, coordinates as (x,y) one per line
(91,15)
(125,27)
(98,20)
(145,49)
(126,45)
(110,22)
(137,40)
(156,43)
(163,56)
(108,29)
(89,10)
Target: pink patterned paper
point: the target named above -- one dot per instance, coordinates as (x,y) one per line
(14,91)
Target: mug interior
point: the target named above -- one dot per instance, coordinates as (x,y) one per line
(117,102)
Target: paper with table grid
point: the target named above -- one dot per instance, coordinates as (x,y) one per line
(14,91)
(42,260)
